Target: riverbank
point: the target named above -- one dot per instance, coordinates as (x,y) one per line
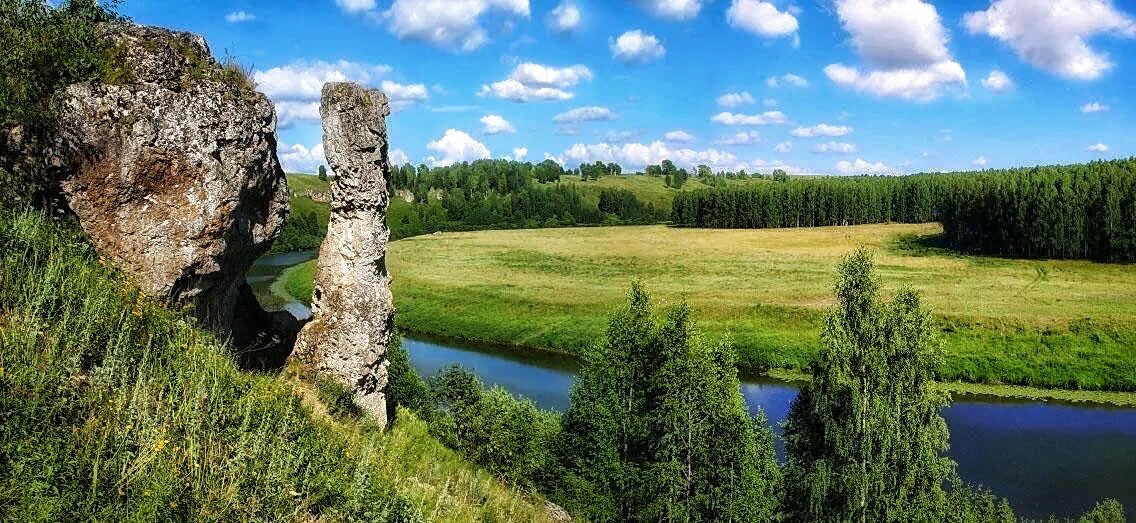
(1025,326)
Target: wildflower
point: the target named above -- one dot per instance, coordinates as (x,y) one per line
(160,445)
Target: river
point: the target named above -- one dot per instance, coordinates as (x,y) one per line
(1046,458)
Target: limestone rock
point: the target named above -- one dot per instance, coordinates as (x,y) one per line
(352,307)
(170,166)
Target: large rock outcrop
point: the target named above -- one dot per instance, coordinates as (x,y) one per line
(352,307)
(170,165)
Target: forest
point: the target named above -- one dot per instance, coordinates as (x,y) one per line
(1072,211)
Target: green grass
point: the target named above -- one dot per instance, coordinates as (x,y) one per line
(1051,324)
(113,407)
(649,189)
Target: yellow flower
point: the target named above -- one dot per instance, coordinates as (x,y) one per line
(160,445)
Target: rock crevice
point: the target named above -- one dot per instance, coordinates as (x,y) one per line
(352,307)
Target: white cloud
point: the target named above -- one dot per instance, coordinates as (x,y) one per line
(732,100)
(835,148)
(303,80)
(296,88)
(288,113)
(584,114)
(637,47)
(1053,35)
(495,124)
(904,45)
(761,18)
(678,136)
(861,166)
(998,82)
(529,82)
(1094,107)
(404,95)
(981,161)
(638,155)
(519,153)
(920,85)
(788,80)
(299,159)
(1098,148)
(456,146)
(769,102)
(237,17)
(783,147)
(356,6)
(766,118)
(398,157)
(742,138)
(673,9)
(821,130)
(450,24)
(565,18)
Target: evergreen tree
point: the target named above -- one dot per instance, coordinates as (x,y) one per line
(323,173)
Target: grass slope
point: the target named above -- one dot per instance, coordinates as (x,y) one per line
(1062,324)
(114,408)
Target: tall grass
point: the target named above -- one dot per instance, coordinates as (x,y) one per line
(113,407)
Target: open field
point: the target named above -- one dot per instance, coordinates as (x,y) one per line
(1062,324)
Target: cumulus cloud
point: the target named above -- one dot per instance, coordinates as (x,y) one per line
(1094,107)
(834,148)
(532,82)
(449,24)
(591,113)
(672,9)
(519,153)
(637,47)
(1098,148)
(303,80)
(404,95)
(861,166)
(456,146)
(788,80)
(1053,35)
(639,155)
(821,130)
(783,147)
(742,138)
(296,88)
(565,18)
(904,45)
(678,136)
(495,124)
(300,159)
(766,118)
(619,136)
(398,157)
(732,100)
(237,17)
(997,81)
(761,18)
(981,161)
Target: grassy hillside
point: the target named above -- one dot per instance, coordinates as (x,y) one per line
(649,189)
(114,408)
(1066,324)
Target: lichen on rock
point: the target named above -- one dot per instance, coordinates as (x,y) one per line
(352,307)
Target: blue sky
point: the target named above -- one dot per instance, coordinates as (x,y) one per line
(822,86)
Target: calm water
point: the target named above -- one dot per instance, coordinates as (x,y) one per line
(1046,458)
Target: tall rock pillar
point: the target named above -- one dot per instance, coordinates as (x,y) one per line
(352,307)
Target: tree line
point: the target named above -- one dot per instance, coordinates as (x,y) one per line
(1072,211)
(657,428)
